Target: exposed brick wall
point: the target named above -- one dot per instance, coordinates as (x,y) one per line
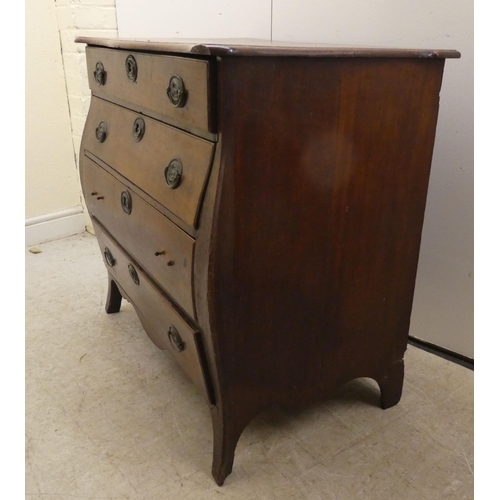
(81,18)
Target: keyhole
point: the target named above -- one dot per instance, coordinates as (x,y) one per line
(138,129)
(126,202)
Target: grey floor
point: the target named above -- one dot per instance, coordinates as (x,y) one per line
(108,415)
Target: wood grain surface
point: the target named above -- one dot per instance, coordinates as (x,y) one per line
(144,162)
(257,48)
(316,231)
(156,313)
(308,223)
(144,232)
(150,89)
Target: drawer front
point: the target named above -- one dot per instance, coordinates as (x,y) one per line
(151,154)
(174,87)
(163,324)
(160,246)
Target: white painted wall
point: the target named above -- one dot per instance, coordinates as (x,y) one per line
(57,102)
(443,305)
(50,172)
(57,99)
(81,18)
(85,18)
(194,19)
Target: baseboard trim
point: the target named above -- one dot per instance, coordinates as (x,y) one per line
(54,226)
(460,359)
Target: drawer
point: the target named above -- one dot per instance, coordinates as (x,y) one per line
(160,246)
(151,154)
(163,324)
(174,87)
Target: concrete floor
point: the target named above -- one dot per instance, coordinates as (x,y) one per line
(108,415)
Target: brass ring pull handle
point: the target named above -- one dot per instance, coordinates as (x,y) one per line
(175,339)
(100,73)
(173,173)
(176,92)
(138,129)
(131,68)
(126,202)
(108,257)
(133,274)
(101,132)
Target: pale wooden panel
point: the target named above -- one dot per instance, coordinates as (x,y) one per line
(157,315)
(149,91)
(144,232)
(159,145)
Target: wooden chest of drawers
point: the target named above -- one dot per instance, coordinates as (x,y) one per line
(261,206)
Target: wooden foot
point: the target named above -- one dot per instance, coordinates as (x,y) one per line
(114,299)
(227,432)
(391,386)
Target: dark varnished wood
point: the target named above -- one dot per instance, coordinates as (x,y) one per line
(320,205)
(159,145)
(391,384)
(309,228)
(114,298)
(257,48)
(388,114)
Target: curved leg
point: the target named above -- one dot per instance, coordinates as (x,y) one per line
(114,299)
(391,386)
(227,431)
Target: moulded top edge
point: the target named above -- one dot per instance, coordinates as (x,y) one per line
(251,47)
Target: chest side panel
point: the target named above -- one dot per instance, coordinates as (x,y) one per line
(324,172)
(278,142)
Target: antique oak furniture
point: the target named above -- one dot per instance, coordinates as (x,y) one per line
(261,207)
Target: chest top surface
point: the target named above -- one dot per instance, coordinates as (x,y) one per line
(253,47)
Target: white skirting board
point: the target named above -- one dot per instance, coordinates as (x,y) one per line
(54,226)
